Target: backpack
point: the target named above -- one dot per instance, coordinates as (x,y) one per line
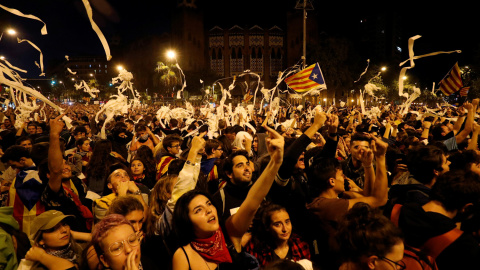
(424,258)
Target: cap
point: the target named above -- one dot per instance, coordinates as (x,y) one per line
(45,221)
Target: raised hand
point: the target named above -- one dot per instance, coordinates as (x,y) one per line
(56,125)
(275,143)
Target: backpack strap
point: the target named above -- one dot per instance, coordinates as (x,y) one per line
(395,215)
(435,245)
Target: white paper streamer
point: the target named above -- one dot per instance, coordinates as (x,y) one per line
(97,30)
(38,49)
(29,16)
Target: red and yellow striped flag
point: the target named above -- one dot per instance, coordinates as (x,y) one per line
(452,82)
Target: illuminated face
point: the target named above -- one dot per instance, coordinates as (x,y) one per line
(241,171)
(137,167)
(31,129)
(136,218)
(339,182)
(85,147)
(357,147)
(280,226)
(301,162)
(56,237)
(117,176)
(203,215)
(27,144)
(118,238)
(39,130)
(175,148)
(255,144)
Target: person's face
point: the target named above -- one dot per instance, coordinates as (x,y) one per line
(339,181)
(241,171)
(357,147)
(280,226)
(39,130)
(203,216)
(218,152)
(66,171)
(118,176)
(255,144)
(129,126)
(137,167)
(31,129)
(301,162)
(56,237)
(85,147)
(17,164)
(27,144)
(392,260)
(445,165)
(115,239)
(175,148)
(141,133)
(136,218)
(7,123)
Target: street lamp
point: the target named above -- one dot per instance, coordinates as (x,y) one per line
(171,54)
(119,67)
(11,31)
(384,68)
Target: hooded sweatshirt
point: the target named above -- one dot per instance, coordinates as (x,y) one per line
(8,258)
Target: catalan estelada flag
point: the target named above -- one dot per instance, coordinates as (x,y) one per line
(452,82)
(310,78)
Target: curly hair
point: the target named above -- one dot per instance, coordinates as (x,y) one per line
(365,231)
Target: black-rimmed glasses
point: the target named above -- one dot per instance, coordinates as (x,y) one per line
(400,265)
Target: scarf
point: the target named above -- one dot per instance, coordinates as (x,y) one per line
(67,253)
(84,211)
(212,249)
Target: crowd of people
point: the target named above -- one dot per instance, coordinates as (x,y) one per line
(338,190)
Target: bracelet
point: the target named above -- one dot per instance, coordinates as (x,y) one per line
(138,192)
(371,164)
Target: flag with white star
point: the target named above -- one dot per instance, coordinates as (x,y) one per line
(310,78)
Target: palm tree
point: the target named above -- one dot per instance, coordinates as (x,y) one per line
(167,77)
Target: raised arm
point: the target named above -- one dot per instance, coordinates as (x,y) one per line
(239,223)
(55,155)
(379,193)
(188,176)
(472,108)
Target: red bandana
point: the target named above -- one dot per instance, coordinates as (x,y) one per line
(212,249)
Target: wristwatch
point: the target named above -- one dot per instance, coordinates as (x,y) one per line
(138,192)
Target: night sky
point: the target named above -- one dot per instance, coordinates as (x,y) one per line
(70,33)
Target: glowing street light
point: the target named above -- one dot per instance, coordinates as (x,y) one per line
(2,57)
(119,67)
(11,32)
(384,68)
(171,54)
(404,77)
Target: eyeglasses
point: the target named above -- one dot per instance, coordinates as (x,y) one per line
(116,248)
(175,146)
(400,265)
